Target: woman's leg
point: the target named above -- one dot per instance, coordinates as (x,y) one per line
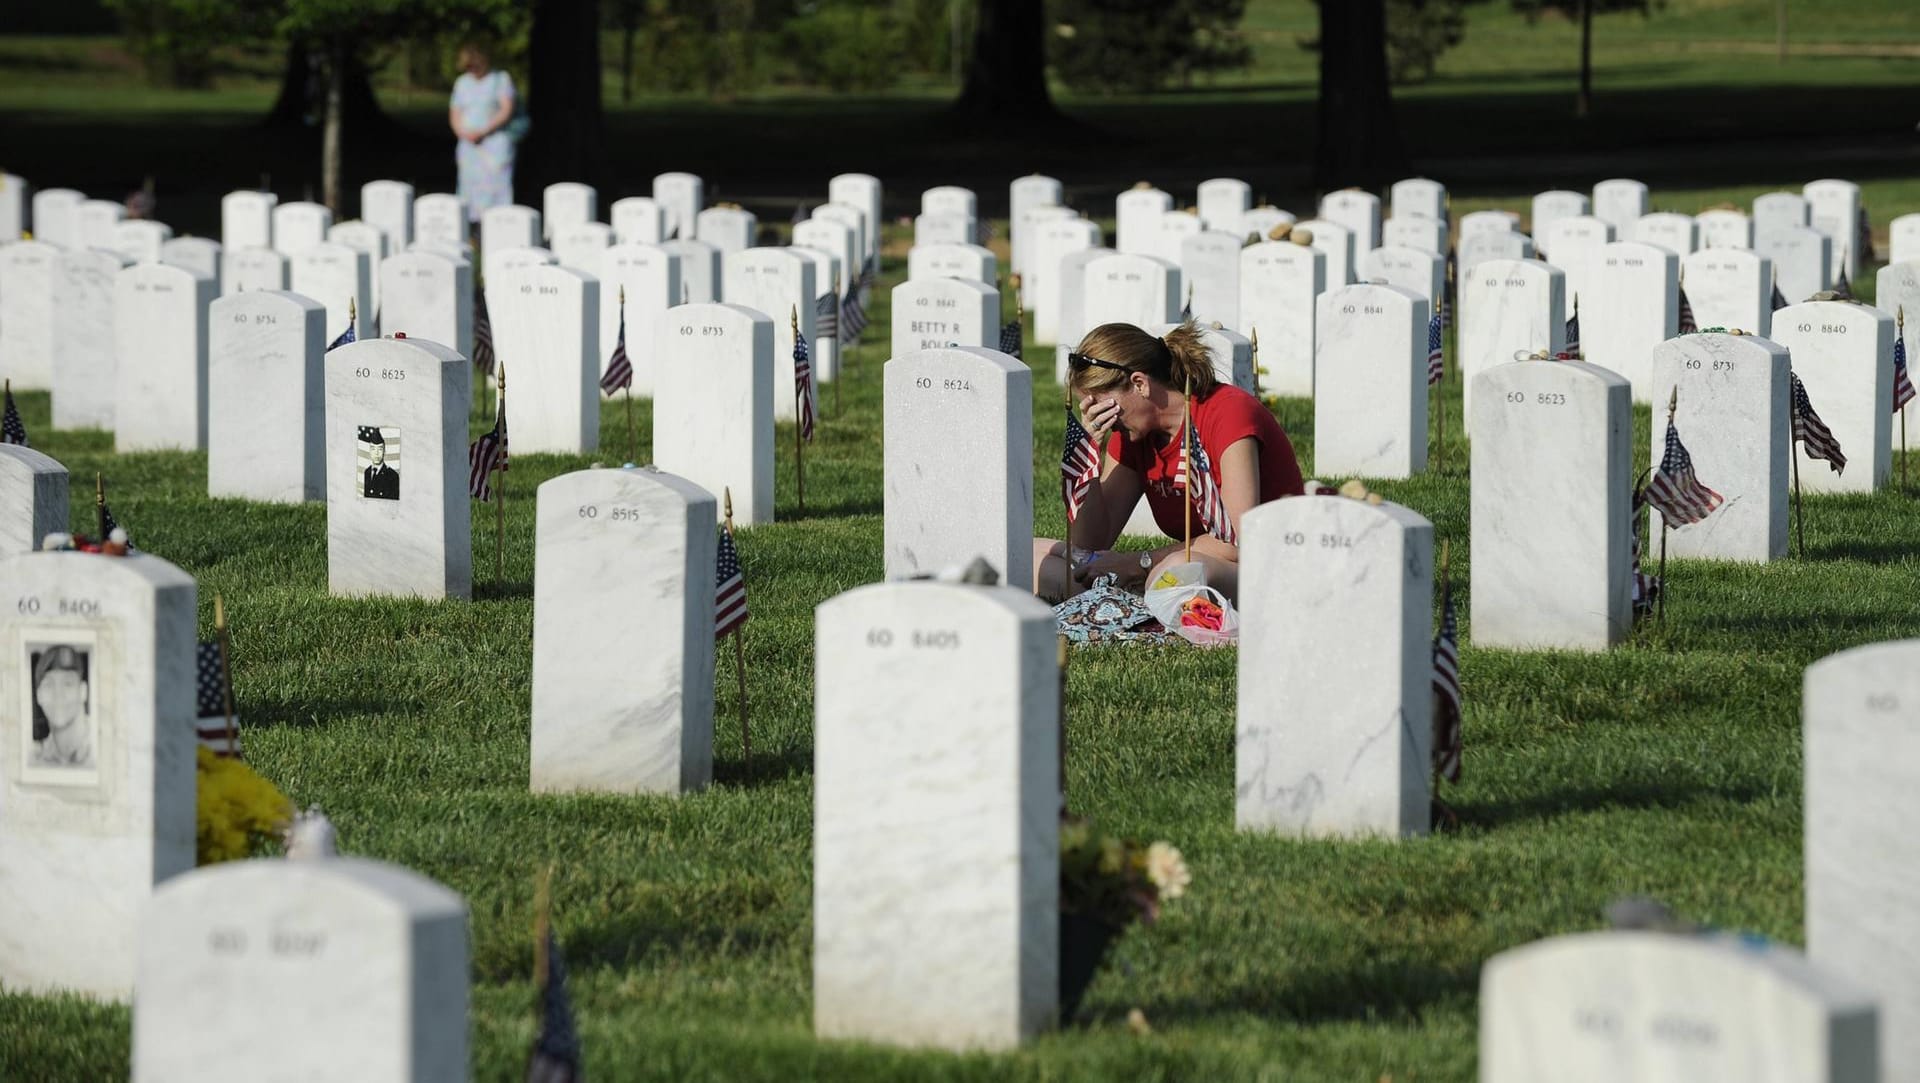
(1222,575)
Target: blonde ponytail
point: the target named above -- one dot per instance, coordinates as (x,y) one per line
(1192,362)
(1179,358)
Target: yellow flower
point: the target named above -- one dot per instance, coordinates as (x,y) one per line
(235,809)
(1167,870)
(1074,835)
(1112,855)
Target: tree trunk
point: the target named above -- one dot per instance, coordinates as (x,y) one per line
(1006,74)
(1358,142)
(330,136)
(304,88)
(1585,103)
(563,98)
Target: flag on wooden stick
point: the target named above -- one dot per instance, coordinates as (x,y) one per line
(1446,688)
(1809,431)
(730,586)
(1436,365)
(1194,476)
(1079,465)
(487,454)
(1674,490)
(1688,325)
(12,429)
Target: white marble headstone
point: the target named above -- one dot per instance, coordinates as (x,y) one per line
(1634,306)
(1779,210)
(1565,428)
(950,199)
(938,228)
(1025,194)
(1259,222)
(440,220)
(1550,207)
(1073,305)
(1141,290)
(1422,272)
(681,196)
(29,271)
(933,313)
(1802,259)
(546,323)
(1724,229)
(863,191)
(246,219)
(1507,307)
(299,226)
(425,295)
(835,236)
(1279,281)
(1333,733)
(387,205)
(1731,288)
(567,204)
(1858,711)
(16,204)
(94,221)
(375,242)
(958,462)
(160,371)
(509,226)
(200,255)
(1136,214)
(1210,264)
(1732,414)
(266,406)
(649,277)
(1834,207)
(339,277)
(1572,245)
(936,704)
(639,220)
(624,556)
(53,216)
(1658,1007)
(780,283)
(84,351)
(582,246)
(1359,212)
(1481,247)
(140,240)
(1370,382)
(496,261)
(1896,290)
(1490,221)
(339,966)
(701,275)
(824,350)
(33,494)
(713,403)
(1223,203)
(948,260)
(1412,231)
(1620,203)
(1337,241)
(102,810)
(1043,282)
(853,220)
(1903,238)
(402,526)
(730,229)
(1678,233)
(1418,197)
(244,269)
(1172,230)
(1843,352)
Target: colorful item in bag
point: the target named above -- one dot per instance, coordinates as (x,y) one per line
(1201,612)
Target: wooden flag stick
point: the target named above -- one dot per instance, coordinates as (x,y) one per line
(799,445)
(100,505)
(1254,350)
(739,651)
(1186,505)
(1900,333)
(226,670)
(1660,603)
(1799,518)
(629,387)
(840,350)
(1440,407)
(500,483)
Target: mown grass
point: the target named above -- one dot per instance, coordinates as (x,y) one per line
(1669,766)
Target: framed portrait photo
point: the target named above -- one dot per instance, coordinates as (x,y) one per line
(377,457)
(60,744)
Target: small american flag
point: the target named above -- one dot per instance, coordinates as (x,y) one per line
(729,587)
(826,316)
(1688,325)
(984,231)
(1013,334)
(1079,465)
(485,455)
(1573,332)
(12,429)
(1902,383)
(1810,432)
(803,385)
(1674,490)
(108,524)
(1446,692)
(1186,310)
(1843,290)
(1204,490)
(869,273)
(1779,299)
(482,334)
(1436,365)
(1446,307)
(853,314)
(619,372)
(344,337)
(211,698)
(555,1057)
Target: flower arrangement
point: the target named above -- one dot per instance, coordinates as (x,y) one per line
(1115,880)
(236,811)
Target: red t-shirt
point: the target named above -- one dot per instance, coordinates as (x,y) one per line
(1225,416)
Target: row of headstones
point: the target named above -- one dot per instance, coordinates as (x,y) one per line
(890,653)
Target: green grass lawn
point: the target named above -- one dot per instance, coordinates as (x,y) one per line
(1670,766)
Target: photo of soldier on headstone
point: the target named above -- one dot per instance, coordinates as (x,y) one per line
(379,455)
(63,733)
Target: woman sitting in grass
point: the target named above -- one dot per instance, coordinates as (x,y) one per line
(1133,392)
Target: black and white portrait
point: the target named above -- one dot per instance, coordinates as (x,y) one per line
(63,705)
(379,457)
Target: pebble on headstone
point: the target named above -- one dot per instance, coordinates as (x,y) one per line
(936,704)
(1603,1007)
(681,196)
(949,260)
(1550,207)
(1858,709)
(1733,408)
(713,403)
(1333,734)
(1563,427)
(99,788)
(943,509)
(429,296)
(1210,265)
(1731,288)
(29,271)
(1634,306)
(781,284)
(546,320)
(1843,352)
(387,205)
(1136,216)
(623,556)
(1724,228)
(1620,203)
(649,278)
(339,966)
(440,220)
(299,226)
(244,269)
(1261,221)
(1043,282)
(160,374)
(1507,307)
(1802,258)
(567,204)
(701,272)
(266,407)
(399,521)
(1370,382)
(246,219)
(84,351)
(1279,282)
(33,489)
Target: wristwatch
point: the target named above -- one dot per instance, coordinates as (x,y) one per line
(1146,561)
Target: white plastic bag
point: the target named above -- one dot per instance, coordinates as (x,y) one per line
(1167,597)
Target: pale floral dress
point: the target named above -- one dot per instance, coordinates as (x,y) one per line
(486,167)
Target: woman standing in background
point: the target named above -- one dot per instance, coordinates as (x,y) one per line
(481,110)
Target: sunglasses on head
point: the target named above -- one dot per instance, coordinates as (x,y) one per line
(1080,361)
